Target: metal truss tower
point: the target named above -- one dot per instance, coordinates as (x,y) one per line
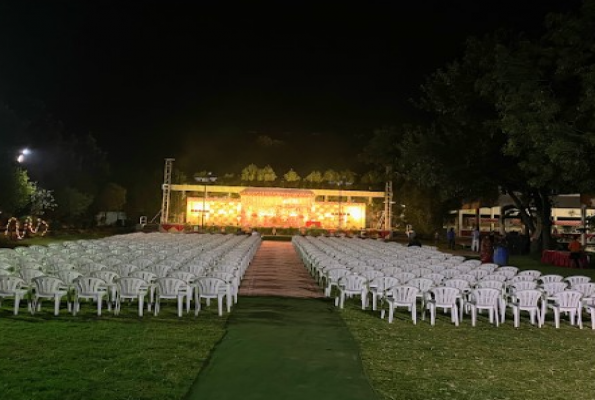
(166,189)
(388,201)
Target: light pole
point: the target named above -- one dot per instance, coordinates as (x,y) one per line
(340,183)
(208,178)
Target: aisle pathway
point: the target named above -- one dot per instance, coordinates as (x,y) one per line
(277,270)
(283,340)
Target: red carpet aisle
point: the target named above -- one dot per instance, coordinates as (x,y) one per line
(278,271)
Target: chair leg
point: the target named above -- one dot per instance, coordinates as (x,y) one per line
(391,312)
(17,301)
(141,306)
(180,305)
(220,304)
(56,305)
(414,313)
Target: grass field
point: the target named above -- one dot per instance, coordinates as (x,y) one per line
(86,357)
(45,357)
(406,361)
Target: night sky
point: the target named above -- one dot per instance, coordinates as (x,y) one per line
(201,81)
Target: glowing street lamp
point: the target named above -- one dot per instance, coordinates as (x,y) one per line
(209,178)
(22,154)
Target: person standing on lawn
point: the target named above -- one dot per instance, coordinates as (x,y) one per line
(450,237)
(576,252)
(475,240)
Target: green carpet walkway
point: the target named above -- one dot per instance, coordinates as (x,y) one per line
(284,349)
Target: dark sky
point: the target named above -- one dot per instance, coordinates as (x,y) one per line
(200,81)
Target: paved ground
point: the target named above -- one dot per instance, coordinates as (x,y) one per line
(276,270)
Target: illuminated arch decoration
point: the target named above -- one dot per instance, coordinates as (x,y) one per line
(13,225)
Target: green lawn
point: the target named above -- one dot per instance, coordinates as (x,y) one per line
(86,357)
(406,361)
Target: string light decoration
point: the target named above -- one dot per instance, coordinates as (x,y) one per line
(28,224)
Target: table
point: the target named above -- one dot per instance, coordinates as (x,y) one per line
(562,259)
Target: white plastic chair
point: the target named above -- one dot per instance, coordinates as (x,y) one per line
(352,285)
(531,272)
(189,278)
(568,301)
(210,288)
(485,299)
(132,289)
(576,279)
(378,287)
(403,296)
(86,287)
(550,278)
(526,300)
(170,288)
(12,287)
(49,287)
(332,277)
(446,298)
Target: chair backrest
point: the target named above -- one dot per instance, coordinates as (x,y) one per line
(353,282)
(47,284)
(8,284)
(495,277)
(522,278)
(445,295)
(391,271)
(552,288)
(486,296)
(528,298)
(107,276)
(68,276)
(573,280)
(91,267)
(419,272)
(436,268)
(568,298)
(129,286)
(334,274)
(532,272)
(456,283)
(479,273)
(493,284)
(142,263)
(463,268)
(523,285)
(147,276)
(194,269)
(405,294)
(27,274)
(170,286)
(183,275)
(587,289)
(550,278)
(209,286)
(467,277)
(508,269)
(450,273)
(124,269)
(161,270)
(507,274)
(488,266)
(384,282)
(436,278)
(88,285)
(423,284)
(404,277)
(369,275)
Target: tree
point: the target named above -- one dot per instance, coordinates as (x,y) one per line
(41,200)
(16,189)
(249,173)
(314,178)
(266,175)
(72,204)
(292,177)
(330,175)
(112,197)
